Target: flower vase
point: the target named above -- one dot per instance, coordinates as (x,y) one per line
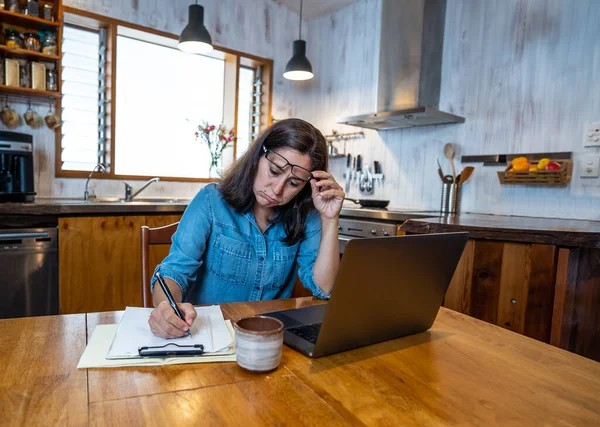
(215,168)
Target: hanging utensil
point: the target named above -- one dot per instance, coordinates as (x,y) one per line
(440,171)
(449,153)
(348,171)
(448,179)
(358,169)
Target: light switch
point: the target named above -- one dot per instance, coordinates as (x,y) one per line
(589,165)
(591,136)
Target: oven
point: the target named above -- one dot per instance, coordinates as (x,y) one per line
(359,229)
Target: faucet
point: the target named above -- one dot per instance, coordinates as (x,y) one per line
(86,194)
(129,197)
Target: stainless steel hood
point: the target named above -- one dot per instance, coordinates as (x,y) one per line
(411,45)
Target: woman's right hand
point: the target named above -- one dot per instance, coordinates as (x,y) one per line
(164,322)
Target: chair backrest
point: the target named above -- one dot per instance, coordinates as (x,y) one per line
(153,236)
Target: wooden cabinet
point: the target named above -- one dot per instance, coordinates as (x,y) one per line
(100,261)
(507,284)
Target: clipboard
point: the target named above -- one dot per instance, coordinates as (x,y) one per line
(209,336)
(171,349)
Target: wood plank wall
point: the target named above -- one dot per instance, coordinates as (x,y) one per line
(263,28)
(522,72)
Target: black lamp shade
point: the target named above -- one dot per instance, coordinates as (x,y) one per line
(299,68)
(194,37)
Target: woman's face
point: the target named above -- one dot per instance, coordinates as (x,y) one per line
(275,185)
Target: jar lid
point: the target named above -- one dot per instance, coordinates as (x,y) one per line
(34,35)
(12,31)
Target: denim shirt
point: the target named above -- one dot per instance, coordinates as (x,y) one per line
(219,255)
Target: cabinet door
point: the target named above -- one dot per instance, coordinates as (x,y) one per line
(508,284)
(99,263)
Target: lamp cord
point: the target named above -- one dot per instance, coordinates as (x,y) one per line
(300,32)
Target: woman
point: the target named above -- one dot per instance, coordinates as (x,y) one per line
(275,213)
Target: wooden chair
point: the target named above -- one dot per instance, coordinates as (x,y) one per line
(152,236)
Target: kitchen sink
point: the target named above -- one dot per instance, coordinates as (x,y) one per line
(116,200)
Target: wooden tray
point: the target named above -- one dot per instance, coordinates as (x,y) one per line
(560,178)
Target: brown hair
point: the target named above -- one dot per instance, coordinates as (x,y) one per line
(237,183)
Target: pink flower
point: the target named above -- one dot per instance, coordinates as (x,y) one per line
(211,128)
(231,132)
(196,134)
(206,130)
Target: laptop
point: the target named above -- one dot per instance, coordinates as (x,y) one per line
(386,287)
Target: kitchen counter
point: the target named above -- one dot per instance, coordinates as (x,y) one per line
(560,232)
(66,207)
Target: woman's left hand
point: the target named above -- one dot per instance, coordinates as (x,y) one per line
(327,194)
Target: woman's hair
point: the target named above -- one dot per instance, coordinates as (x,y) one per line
(238,181)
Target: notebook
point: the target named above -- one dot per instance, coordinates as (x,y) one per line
(209,329)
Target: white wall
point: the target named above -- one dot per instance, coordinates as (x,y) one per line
(524,73)
(259,27)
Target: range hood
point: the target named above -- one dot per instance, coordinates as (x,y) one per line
(411,45)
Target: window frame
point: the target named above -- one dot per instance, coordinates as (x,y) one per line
(233,61)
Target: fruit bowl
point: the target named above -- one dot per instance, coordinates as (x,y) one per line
(557,177)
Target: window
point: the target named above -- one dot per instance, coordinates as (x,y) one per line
(133,101)
(163,94)
(80,101)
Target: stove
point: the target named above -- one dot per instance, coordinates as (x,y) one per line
(360,223)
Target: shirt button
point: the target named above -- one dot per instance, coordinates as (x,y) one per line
(257,288)
(262,258)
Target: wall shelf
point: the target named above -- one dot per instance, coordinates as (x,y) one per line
(14,18)
(503,159)
(28,54)
(27,92)
(555,178)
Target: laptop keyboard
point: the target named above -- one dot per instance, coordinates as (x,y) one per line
(308,332)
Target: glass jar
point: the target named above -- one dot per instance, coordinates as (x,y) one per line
(51,80)
(24,80)
(32,42)
(13,39)
(12,5)
(48,12)
(49,45)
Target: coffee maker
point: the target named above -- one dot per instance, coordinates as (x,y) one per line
(16,167)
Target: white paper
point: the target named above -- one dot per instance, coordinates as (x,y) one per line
(209,329)
(94,355)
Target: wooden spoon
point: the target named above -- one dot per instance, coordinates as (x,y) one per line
(466,174)
(449,153)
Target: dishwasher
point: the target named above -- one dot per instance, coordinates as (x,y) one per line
(28,272)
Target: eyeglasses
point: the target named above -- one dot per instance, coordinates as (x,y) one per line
(281,162)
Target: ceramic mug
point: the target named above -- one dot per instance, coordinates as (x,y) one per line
(258,343)
(9,117)
(32,118)
(52,121)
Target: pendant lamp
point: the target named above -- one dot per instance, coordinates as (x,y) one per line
(299,68)
(194,37)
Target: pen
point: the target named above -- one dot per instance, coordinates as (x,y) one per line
(172,303)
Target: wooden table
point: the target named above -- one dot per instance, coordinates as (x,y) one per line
(463,371)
